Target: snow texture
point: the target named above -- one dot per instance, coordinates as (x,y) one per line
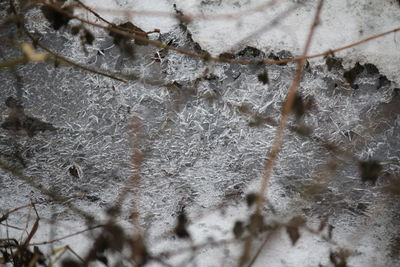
(203,147)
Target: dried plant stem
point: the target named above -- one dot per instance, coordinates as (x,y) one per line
(125,33)
(218,59)
(372,37)
(276,147)
(133,183)
(58,57)
(137,160)
(42,202)
(93,12)
(269,25)
(13,227)
(13,62)
(63,250)
(261,248)
(237,15)
(55,196)
(66,236)
(197,247)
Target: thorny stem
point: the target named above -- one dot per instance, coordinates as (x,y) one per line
(276,147)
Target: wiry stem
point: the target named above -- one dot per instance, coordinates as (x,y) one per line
(218,59)
(287,107)
(276,147)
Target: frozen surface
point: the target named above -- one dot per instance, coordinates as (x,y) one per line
(203,148)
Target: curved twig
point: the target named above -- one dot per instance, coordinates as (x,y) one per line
(207,57)
(276,147)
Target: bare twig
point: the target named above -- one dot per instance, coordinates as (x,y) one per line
(137,161)
(218,59)
(267,26)
(93,12)
(66,236)
(261,248)
(233,16)
(285,112)
(42,202)
(279,133)
(53,195)
(58,57)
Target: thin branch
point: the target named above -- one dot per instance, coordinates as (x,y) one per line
(232,16)
(42,202)
(58,57)
(266,26)
(218,59)
(93,12)
(285,111)
(13,227)
(352,44)
(137,159)
(195,247)
(13,62)
(279,133)
(260,249)
(66,236)
(52,194)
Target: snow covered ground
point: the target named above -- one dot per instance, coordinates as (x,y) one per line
(203,141)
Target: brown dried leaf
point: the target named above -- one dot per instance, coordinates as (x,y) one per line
(263,77)
(293,233)
(251,198)
(180,229)
(238,229)
(370,170)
